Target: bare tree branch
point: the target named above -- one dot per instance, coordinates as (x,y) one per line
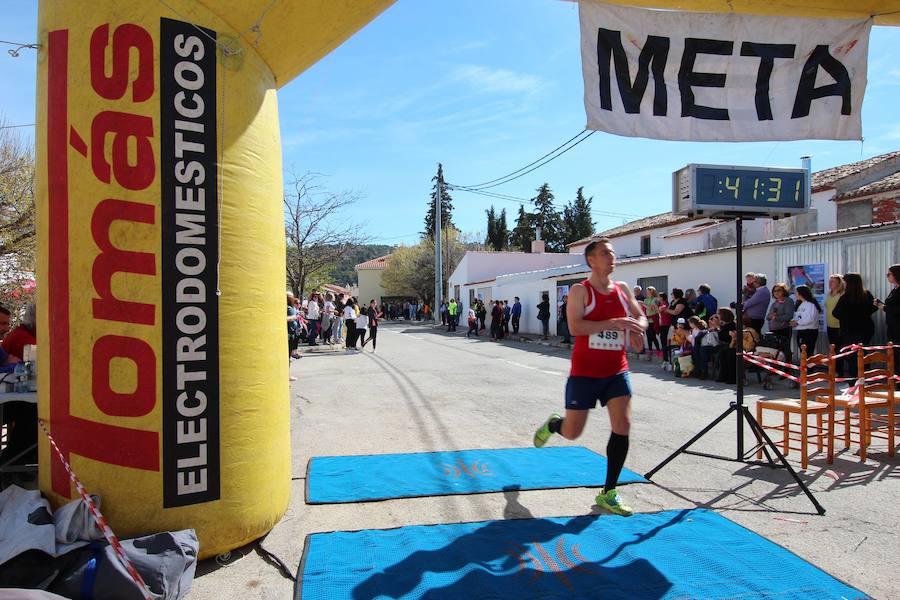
(318,231)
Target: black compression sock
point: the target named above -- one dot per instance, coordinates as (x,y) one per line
(555,426)
(616,451)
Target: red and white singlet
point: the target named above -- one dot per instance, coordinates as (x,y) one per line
(601,354)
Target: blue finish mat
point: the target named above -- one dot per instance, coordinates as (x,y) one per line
(673,554)
(335,479)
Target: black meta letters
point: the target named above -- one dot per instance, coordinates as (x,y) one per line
(688,79)
(807,90)
(652,58)
(767,54)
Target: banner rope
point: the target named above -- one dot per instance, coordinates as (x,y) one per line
(99,519)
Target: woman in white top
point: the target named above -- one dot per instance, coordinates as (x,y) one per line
(806,319)
(314,316)
(350,321)
(362,323)
(327,317)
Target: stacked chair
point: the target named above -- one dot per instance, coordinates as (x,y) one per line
(872,412)
(817,398)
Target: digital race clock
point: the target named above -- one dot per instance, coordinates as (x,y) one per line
(722,190)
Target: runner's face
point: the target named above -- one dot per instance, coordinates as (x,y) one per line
(603,259)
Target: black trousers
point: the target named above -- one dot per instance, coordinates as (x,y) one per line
(373,335)
(515,323)
(808,337)
(351,334)
(664,341)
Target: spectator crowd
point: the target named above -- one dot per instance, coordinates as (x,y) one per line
(694,336)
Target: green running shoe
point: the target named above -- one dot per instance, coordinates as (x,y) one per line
(613,503)
(543,432)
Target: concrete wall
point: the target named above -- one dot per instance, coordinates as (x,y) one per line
(480,266)
(715,268)
(854,213)
(866,252)
(370,285)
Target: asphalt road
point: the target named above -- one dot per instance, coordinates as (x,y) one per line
(427,390)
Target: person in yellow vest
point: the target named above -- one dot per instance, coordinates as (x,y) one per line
(453,313)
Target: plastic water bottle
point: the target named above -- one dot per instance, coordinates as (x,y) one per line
(21,374)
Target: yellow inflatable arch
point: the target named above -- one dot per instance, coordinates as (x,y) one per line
(162,347)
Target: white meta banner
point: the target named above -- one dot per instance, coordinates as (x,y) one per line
(721,77)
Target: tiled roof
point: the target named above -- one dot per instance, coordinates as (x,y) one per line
(336,289)
(886,184)
(822,180)
(661,220)
(375,263)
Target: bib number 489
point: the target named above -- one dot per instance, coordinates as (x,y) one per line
(608,339)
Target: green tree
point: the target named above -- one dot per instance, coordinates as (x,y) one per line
(446,206)
(502,231)
(548,219)
(410,270)
(491,227)
(522,234)
(497,231)
(17,228)
(577,222)
(344,270)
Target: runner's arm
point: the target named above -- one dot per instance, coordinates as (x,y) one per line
(635,307)
(578,325)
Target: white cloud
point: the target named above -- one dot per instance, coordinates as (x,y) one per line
(301,137)
(496,80)
(892,133)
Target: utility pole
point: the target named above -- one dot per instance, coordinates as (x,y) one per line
(438,268)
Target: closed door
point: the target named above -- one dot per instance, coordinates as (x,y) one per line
(661,283)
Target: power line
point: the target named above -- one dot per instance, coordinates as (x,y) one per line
(19,46)
(551,155)
(524,201)
(529,164)
(14,126)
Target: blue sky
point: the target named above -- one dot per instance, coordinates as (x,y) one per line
(484,87)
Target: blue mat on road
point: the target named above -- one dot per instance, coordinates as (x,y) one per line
(334,479)
(674,554)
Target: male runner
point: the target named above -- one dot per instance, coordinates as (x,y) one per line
(603,316)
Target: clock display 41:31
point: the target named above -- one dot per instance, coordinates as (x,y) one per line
(728,187)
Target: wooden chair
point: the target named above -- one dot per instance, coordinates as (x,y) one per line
(816,398)
(872,411)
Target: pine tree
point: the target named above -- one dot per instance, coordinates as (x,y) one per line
(522,235)
(446,206)
(548,219)
(577,220)
(490,238)
(497,232)
(502,232)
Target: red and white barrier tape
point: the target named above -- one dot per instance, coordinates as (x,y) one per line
(99,519)
(757,361)
(852,348)
(768,368)
(771,360)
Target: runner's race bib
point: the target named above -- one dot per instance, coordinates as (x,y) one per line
(608,339)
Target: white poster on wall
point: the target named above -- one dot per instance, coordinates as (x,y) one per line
(722,77)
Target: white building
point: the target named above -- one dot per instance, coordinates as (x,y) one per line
(475,275)
(850,195)
(853,226)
